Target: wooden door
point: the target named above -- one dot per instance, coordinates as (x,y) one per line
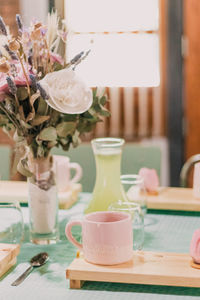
(191,29)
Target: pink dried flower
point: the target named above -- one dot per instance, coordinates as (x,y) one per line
(56,58)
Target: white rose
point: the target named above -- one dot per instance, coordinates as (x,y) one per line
(67,92)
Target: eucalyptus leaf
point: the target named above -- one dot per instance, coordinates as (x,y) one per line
(22,93)
(30,116)
(69,117)
(55,118)
(48,134)
(42,106)
(26,125)
(33,98)
(103,100)
(57,66)
(92,111)
(51,144)
(22,168)
(87,115)
(63,141)
(65,128)
(39,120)
(104,113)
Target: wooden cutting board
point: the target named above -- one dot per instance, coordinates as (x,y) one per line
(174,199)
(171,269)
(8,256)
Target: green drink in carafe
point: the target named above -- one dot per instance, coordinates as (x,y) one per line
(108,188)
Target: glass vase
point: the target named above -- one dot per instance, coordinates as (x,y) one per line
(108,188)
(43,202)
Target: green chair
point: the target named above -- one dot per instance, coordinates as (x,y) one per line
(135,156)
(5,161)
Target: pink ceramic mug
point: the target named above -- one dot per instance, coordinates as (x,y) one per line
(63,167)
(107,237)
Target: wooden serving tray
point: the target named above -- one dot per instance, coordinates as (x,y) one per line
(171,269)
(18,190)
(174,199)
(8,257)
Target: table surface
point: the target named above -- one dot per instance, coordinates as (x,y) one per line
(164,231)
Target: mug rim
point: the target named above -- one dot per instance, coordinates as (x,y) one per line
(58,157)
(126,216)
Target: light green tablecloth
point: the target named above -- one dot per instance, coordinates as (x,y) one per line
(163,232)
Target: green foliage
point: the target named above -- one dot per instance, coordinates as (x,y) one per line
(48,134)
(65,128)
(22,93)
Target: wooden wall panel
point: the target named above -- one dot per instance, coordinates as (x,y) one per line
(8,10)
(192,76)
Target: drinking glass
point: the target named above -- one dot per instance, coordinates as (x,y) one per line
(135,190)
(11,223)
(137,216)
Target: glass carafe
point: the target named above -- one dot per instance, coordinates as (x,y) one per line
(108,188)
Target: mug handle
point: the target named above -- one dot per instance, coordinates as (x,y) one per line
(78,170)
(69,235)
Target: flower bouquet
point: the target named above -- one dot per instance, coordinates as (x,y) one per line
(43,104)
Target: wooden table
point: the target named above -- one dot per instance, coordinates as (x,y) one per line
(164,232)
(167,199)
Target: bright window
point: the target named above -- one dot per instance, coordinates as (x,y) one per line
(123,38)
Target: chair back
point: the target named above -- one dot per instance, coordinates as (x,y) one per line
(135,156)
(5,162)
